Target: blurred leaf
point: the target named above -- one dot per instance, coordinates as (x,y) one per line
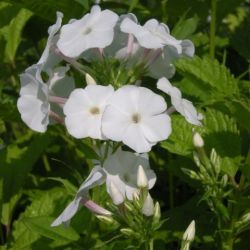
(12,33)
(8,111)
(44,203)
(41,225)
(185,27)
(84,3)
(67,184)
(17,163)
(47,9)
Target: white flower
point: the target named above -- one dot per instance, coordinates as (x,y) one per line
(35,95)
(183,106)
(135,117)
(48,57)
(115,194)
(94,30)
(152,35)
(84,110)
(96,177)
(33,101)
(121,170)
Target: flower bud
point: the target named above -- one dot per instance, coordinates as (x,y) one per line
(142,179)
(148,206)
(197,140)
(89,79)
(106,219)
(190,232)
(127,231)
(116,194)
(157,212)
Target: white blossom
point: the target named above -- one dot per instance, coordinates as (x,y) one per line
(152,35)
(183,106)
(135,116)
(94,30)
(84,110)
(142,180)
(35,95)
(121,169)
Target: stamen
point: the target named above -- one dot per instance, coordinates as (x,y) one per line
(94,111)
(136,118)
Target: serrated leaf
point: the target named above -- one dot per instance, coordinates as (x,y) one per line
(180,140)
(12,33)
(207,79)
(41,225)
(221,133)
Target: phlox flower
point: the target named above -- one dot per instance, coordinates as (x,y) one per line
(84,110)
(134,115)
(152,35)
(183,106)
(94,30)
(121,170)
(34,103)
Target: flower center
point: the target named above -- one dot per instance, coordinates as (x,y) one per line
(87,31)
(94,111)
(136,118)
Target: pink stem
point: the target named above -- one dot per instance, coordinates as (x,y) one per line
(130,44)
(56,117)
(170,110)
(57,99)
(92,206)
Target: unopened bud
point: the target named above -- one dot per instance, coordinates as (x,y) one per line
(142,179)
(106,219)
(89,79)
(148,206)
(190,232)
(157,212)
(127,231)
(116,194)
(197,140)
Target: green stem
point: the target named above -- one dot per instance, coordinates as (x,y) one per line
(171,190)
(213,28)
(151,244)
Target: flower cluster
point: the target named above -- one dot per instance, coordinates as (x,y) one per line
(124,112)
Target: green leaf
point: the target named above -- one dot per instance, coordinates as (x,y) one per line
(12,33)
(185,27)
(17,162)
(67,184)
(84,3)
(47,9)
(41,225)
(44,203)
(207,79)
(221,133)
(180,140)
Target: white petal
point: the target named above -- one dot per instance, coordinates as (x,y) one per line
(135,139)
(67,214)
(52,31)
(96,177)
(157,128)
(187,48)
(33,113)
(150,103)
(114,123)
(190,112)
